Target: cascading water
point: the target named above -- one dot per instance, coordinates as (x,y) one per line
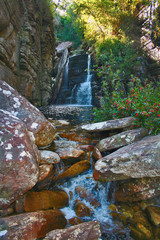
(84,91)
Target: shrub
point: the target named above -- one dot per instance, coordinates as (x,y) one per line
(141,102)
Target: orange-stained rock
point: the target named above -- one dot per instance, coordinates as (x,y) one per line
(70,155)
(73,171)
(44,171)
(96,154)
(86,147)
(35,201)
(83,231)
(30,226)
(82,210)
(86,194)
(75,137)
(75,221)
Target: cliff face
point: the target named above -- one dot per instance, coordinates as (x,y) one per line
(27,47)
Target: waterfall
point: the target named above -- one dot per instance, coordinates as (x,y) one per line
(66,74)
(84,91)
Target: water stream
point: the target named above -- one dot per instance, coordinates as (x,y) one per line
(84,91)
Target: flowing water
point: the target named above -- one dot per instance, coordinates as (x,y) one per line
(84,91)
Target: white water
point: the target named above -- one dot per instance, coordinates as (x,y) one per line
(84,91)
(100,192)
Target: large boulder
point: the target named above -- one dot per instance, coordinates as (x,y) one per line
(33,225)
(85,231)
(11,101)
(19,156)
(137,160)
(121,139)
(108,125)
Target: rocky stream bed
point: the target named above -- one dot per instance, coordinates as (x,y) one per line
(92,181)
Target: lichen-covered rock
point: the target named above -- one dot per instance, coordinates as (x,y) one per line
(137,160)
(49,157)
(11,101)
(108,125)
(73,171)
(85,231)
(121,139)
(30,226)
(19,170)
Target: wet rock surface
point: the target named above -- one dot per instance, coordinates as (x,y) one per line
(73,171)
(19,157)
(85,231)
(11,101)
(70,155)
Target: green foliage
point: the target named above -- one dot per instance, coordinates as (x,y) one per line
(116,61)
(141,102)
(68,28)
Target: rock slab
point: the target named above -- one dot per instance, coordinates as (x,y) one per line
(137,160)
(121,139)
(108,125)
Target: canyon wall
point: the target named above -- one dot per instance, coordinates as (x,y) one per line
(27,47)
